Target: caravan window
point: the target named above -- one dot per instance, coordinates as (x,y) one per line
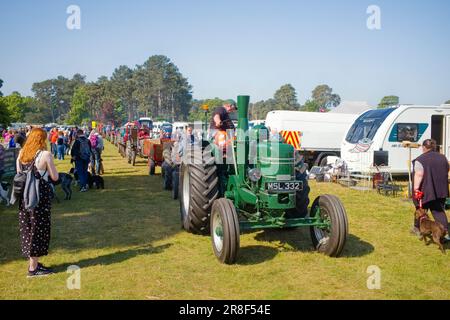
(367,125)
(408,132)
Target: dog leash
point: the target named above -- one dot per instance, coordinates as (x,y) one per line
(419,197)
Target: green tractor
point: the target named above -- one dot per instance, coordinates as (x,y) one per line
(260,188)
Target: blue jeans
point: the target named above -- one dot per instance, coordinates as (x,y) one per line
(82,170)
(53,148)
(61,150)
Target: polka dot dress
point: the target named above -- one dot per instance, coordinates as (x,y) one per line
(35,224)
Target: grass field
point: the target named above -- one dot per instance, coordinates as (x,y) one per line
(127,241)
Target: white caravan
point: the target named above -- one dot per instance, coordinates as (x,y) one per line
(375,138)
(320,133)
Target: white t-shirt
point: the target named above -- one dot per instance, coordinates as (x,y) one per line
(418,167)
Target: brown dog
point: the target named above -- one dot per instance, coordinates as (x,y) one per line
(430,229)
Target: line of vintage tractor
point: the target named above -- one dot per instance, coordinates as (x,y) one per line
(269,192)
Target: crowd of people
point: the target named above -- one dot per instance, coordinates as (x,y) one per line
(33,187)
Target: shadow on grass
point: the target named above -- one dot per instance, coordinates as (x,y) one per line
(113,258)
(132,211)
(252,255)
(299,240)
(356,247)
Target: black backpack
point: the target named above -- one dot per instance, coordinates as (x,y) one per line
(19,181)
(85,149)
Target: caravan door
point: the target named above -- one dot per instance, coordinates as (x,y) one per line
(447,137)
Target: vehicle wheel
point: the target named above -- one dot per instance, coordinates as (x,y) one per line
(152,167)
(324,161)
(330,241)
(199,187)
(175,184)
(225,231)
(301,202)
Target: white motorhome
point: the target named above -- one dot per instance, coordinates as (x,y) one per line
(375,138)
(157,126)
(320,133)
(179,126)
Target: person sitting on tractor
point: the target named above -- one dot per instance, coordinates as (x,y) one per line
(144,133)
(220,126)
(221,120)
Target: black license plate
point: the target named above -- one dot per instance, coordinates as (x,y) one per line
(288,186)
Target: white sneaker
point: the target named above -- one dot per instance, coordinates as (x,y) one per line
(447,239)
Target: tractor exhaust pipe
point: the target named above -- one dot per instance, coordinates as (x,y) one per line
(242,136)
(243,103)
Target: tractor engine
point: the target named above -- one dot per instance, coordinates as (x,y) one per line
(266,177)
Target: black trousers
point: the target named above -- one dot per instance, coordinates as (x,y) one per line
(437,208)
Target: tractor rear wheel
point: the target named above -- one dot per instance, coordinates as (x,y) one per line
(225,231)
(198,190)
(331,240)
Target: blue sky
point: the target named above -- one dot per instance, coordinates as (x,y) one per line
(226,48)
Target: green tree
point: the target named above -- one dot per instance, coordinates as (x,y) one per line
(311,106)
(259,110)
(1,85)
(448,102)
(325,98)
(79,111)
(57,94)
(122,88)
(286,98)
(161,89)
(388,101)
(16,105)
(36,112)
(5,119)
(198,114)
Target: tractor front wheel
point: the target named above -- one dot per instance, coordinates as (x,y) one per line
(225,231)
(329,240)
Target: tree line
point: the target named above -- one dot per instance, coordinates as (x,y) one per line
(285,98)
(154,89)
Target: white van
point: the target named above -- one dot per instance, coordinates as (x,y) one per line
(319,134)
(253,123)
(375,138)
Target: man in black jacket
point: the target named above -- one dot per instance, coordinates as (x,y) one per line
(431,183)
(81,153)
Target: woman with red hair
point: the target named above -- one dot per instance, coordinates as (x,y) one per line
(35,223)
